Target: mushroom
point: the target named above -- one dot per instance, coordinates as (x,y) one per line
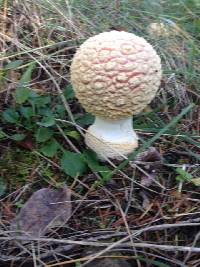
(163,29)
(114,75)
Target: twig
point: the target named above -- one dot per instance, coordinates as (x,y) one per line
(97,244)
(67,139)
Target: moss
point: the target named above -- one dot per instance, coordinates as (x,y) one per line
(16,167)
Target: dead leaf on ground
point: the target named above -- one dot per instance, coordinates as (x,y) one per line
(27,143)
(44,209)
(148,179)
(150,155)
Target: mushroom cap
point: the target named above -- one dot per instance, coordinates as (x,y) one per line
(115,74)
(160,29)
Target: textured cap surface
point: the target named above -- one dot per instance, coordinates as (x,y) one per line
(115,74)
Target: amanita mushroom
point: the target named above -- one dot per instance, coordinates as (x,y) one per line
(160,29)
(114,76)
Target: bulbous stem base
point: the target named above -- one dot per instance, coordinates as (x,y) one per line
(111,139)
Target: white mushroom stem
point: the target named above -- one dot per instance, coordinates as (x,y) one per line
(111,139)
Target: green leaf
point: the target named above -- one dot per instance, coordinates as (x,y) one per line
(74,134)
(19,204)
(2,187)
(50,149)
(47,121)
(73,164)
(69,92)
(13,65)
(3,135)
(85,120)
(39,101)
(60,111)
(46,112)
(27,112)
(17,137)
(10,115)
(43,134)
(26,77)
(22,94)
(183,175)
(192,154)
(33,94)
(93,163)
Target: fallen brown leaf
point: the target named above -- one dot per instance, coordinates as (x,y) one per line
(148,179)
(150,155)
(45,208)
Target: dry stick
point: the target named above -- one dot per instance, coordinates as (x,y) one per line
(67,139)
(33,255)
(149,246)
(97,244)
(130,195)
(164,247)
(15,192)
(129,232)
(158,227)
(47,159)
(139,245)
(106,237)
(114,257)
(193,244)
(70,16)
(5,15)
(60,249)
(29,252)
